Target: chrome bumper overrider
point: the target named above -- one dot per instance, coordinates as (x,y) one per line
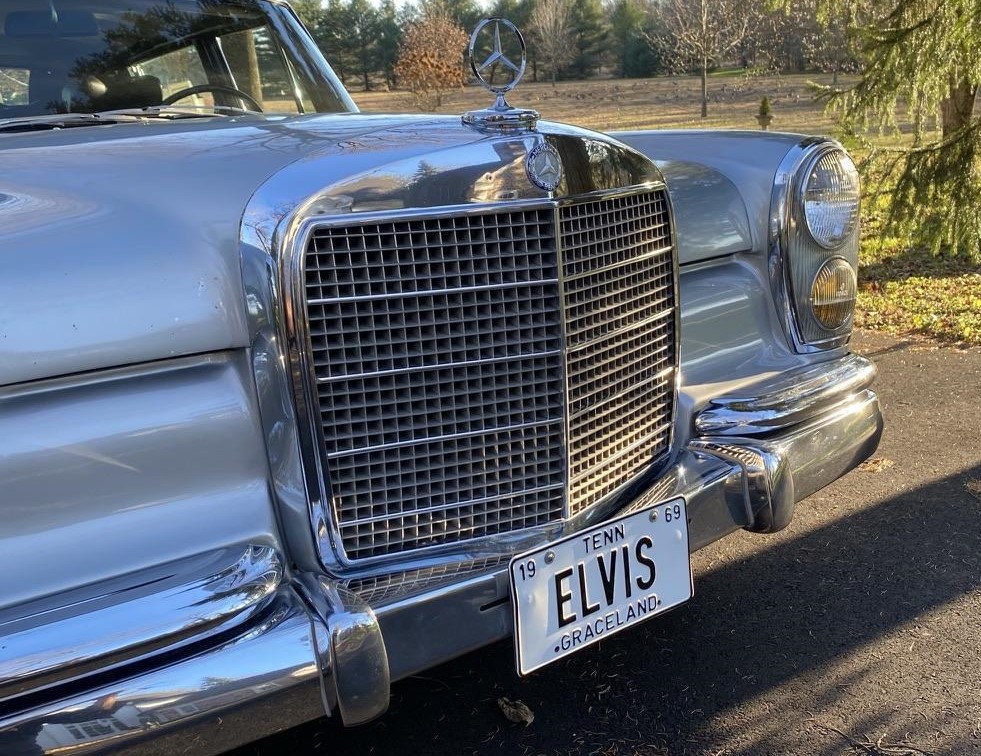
(168,663)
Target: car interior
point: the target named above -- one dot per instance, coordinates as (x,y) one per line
(85,56)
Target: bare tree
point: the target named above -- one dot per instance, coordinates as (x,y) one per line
(701,33)
(552,34)
(831,41)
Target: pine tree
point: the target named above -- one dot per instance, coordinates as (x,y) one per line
(590,31)
(632,24)
(464,13)
(330,33)
(309,12)
(362,38)
(391,23)
(520,13)
(922,58)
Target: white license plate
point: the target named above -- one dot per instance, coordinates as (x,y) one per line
(597,582)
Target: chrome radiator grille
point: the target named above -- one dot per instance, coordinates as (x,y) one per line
(469,383)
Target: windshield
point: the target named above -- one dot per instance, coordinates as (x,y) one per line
(87,56)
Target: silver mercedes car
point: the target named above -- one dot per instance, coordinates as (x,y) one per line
(296,402)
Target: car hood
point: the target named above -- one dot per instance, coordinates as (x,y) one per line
(120,244)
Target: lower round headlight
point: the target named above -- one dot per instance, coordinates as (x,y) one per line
(831,198)
(833,293)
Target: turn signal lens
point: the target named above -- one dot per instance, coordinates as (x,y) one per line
(833,293)
(831,198)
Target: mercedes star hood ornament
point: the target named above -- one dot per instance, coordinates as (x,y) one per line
(488,58)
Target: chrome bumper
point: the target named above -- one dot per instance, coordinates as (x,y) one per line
(163,663)
(197,656)
(802,435)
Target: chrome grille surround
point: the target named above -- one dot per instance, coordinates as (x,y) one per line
(472,370)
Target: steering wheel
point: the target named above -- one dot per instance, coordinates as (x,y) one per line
(199,88)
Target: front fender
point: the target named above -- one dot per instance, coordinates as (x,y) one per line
(720,184)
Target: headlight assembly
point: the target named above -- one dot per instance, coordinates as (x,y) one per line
(815,213)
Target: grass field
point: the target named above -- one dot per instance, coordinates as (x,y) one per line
(902,290)
(660,103)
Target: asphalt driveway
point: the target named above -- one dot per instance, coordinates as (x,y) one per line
(856,630)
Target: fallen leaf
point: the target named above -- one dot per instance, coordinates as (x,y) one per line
(516,711)
(973,487)
(876,464)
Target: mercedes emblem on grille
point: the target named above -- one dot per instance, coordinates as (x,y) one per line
(544,166)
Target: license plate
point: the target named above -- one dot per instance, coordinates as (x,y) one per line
(597,582)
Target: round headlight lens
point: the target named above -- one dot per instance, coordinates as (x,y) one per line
(831,198)
(833,293)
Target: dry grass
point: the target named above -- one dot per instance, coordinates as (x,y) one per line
(659,103)
(904,290)
(945,306)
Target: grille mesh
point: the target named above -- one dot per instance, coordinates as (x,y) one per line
(436,344)
(619,321)
(463,391)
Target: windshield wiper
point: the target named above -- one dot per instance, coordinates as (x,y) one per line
(123,115)
(64,121)
(182,111)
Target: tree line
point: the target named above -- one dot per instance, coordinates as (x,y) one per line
(577,39)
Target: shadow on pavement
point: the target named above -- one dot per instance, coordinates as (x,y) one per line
(802,609)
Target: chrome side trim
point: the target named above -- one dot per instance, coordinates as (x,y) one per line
(792,398)
(104,625)
(265,679)
(108,375)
